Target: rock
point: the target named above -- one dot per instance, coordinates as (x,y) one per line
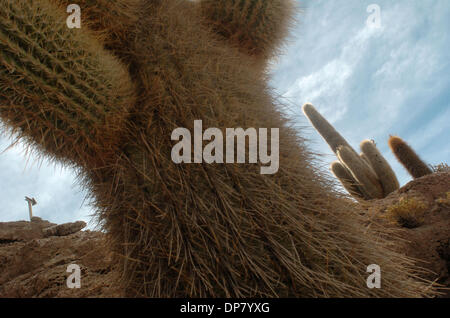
(64,229)
(429,242)
(38,268)
(22,230)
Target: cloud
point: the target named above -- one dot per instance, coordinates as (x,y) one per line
(327,87)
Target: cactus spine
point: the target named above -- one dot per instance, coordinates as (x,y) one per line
(73,93)
(385,174)
(255,26)
(408,158)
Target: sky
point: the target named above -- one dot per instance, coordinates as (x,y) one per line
(388,76)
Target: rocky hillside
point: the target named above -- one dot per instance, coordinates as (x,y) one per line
(422,209)
(34,256)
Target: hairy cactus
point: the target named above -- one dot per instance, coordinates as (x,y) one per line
(60,88)
(185,230)
(361,172)
(408,158)
(347,180)
(110,21)
(254,26)
(383,170)
(325,129)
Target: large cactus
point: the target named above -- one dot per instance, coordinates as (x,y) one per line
(184,230)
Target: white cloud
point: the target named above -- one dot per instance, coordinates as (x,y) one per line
(327,87)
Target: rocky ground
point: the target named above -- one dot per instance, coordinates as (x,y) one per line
(426,226)
(34,256)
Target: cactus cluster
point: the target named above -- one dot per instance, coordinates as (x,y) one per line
(366,175)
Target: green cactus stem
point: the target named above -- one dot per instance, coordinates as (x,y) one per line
(408,158)
(383,170)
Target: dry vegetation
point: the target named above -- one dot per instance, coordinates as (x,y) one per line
(408,213)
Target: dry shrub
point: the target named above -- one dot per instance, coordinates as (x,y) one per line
(408,213)
(444,200)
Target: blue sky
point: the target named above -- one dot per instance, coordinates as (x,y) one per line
(369,82)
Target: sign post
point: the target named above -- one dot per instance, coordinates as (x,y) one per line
(31,202)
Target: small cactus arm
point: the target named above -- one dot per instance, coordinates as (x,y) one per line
(184,230)
(361,172)
(59,88)
(383,170)
(347,180)
(408,158)
(255,26)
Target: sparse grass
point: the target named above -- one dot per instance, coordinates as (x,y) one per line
(442,167)
(407,213)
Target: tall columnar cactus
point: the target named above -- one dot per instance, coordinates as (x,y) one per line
(373,175)
(386,175)
(180,230)
(408,158)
